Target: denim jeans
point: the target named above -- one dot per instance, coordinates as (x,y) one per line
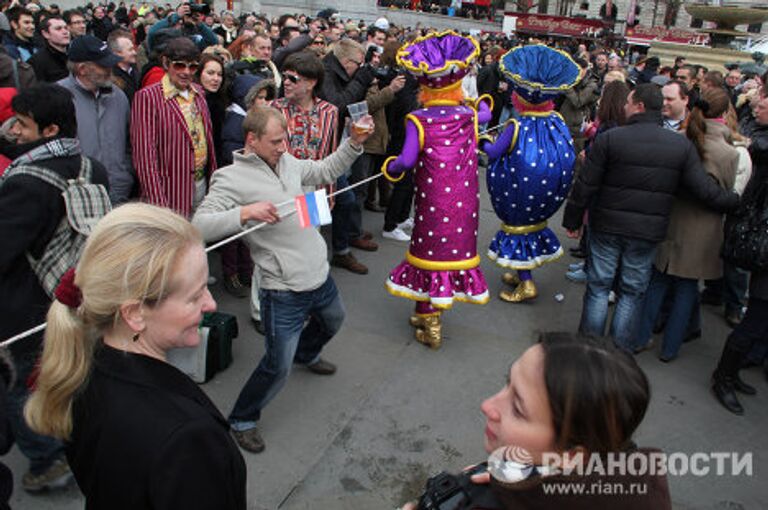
(363,167)
(630,260)
(41,451)
(341,214)
(684,301)
(288,341)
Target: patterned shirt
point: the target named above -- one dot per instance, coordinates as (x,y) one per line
(311,133)
(195,125)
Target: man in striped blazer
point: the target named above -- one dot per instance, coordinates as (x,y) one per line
(171,134)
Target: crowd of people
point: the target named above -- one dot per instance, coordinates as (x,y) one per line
(138,108)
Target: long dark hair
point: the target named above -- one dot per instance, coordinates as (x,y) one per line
(598,394)
(610,111)
(712,104)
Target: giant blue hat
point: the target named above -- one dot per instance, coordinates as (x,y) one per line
(539,73)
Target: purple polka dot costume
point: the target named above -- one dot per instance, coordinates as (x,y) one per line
(442,263)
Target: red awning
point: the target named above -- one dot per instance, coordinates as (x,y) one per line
(646,35)
(556,25)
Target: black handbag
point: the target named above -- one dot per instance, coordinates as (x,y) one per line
(745,242)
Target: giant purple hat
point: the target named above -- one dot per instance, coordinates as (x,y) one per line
(440,59)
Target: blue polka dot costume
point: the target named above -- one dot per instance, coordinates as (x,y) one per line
(531,163)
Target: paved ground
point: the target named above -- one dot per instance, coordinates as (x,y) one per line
(396,412)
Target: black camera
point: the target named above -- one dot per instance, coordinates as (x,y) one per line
(204,9)
(447,491)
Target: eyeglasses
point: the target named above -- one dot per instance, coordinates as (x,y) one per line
(293,78)
(358,64)
(180,65)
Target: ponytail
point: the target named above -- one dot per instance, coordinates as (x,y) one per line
(64,369)
(697,129)
(129,257)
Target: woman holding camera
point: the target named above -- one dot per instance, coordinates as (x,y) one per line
(139,433)
(569,403)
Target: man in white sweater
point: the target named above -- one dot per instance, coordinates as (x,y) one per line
(301,308)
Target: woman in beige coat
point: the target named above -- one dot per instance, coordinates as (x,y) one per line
(691,250)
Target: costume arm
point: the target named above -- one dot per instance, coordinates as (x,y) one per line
(407,158)
(144,148)
(484,106)
(503,143)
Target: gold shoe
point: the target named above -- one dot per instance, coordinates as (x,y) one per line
(523,292)
(429,333)
(511,279)
(416,321)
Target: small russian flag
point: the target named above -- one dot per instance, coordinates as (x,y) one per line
(313,209)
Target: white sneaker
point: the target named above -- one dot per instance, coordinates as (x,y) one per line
(397,234)
(406,225)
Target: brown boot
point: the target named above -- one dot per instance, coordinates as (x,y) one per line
(511,279)
(429,333)
(523,292)
(350,263)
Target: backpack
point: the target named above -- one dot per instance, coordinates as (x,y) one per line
(86,203)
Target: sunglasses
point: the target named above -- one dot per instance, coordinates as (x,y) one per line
(319,41)
(293,78)
(180,65)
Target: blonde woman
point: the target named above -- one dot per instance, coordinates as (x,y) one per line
(138,432)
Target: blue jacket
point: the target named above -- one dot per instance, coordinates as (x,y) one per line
(18,49)
(232,137)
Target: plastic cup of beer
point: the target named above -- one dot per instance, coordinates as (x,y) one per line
(361,121)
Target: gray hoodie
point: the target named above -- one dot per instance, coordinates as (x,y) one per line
(288,257)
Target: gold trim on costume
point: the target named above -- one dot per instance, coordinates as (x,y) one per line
(441,102)
(542,114)
(524,229)
(513,143)
(423,67)
(437,265)
(419,127)
(484,96)
(386,174)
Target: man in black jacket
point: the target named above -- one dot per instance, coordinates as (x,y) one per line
(346,81)
(629,184)
(30,212)
(50,61)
